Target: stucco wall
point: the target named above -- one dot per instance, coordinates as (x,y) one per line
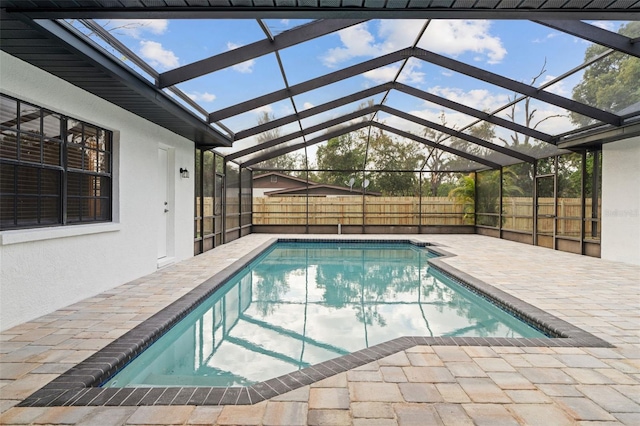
(621,201)
(46,269)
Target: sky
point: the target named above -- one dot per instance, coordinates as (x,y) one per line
(520,50)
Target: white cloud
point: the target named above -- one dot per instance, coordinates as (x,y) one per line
(307,105)
(548,37)
(382,75)
(410,74)
(457,37)
(552,119)
(157,56)
(605,25)
(136,27)
(203,97)
(266,108)
(454,120)
(480,99)
(357,41)
(447,37)
(559,88)
(284,22)
(244,67)
(407,126)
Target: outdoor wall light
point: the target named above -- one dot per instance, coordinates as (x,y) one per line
(184,173)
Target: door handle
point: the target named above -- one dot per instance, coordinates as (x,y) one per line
(166,210)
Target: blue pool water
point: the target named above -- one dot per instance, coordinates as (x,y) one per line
(299,304)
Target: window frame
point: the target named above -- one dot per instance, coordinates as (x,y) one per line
(94,194)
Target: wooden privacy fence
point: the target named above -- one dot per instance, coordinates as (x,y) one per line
(349,211)
(517,212)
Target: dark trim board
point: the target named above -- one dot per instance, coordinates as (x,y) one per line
(80,386)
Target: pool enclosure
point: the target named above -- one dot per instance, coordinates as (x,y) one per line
(419,139)
(400,133)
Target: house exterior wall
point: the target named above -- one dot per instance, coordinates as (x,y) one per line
(45,269)
(621,201)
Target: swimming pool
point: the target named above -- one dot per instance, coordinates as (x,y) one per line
(82,384)
(302,303)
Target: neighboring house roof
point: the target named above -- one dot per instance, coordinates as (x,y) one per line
(298,186)
(321,190)
(283,176)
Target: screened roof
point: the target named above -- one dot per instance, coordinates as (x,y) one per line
(483,93)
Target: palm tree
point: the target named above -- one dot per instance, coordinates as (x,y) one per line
(465,194)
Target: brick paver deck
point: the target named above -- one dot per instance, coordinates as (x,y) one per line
(422,385)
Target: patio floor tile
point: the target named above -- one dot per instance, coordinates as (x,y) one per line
(494,385)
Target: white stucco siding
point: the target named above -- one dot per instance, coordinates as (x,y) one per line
(42,270)
(621,201)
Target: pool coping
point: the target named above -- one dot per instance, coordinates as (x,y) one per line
(79,386)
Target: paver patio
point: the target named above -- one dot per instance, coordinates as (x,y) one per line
(422,385)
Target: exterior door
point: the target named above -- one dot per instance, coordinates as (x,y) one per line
(162,208)
(545,211)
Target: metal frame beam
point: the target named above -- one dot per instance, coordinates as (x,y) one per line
(301,133)
(536,134)
(435,59)
(316,29)
(312,111)
(254,50)
(457,134)
(365,111)
(119,46)
(156,11)
(389,110)
(309,85)
(436,145)
(322,138)
(444,102)
(595,35)
(89,51)
(516,86)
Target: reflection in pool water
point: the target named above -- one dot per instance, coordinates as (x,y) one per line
(303,303)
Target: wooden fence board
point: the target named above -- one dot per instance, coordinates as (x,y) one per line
(348,210)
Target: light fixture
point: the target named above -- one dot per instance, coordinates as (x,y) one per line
(184,173)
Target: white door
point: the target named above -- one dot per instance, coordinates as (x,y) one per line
(163,205)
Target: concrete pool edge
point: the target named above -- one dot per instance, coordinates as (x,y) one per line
(79,385)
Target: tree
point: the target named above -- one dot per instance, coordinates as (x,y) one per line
(288,161)
(488,193)
(437,159)
(386,153)
(522,142)
(465,193)
(612,82)
(342,154)
(569,181)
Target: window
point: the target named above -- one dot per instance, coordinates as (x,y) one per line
(274,179)
(54,170)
